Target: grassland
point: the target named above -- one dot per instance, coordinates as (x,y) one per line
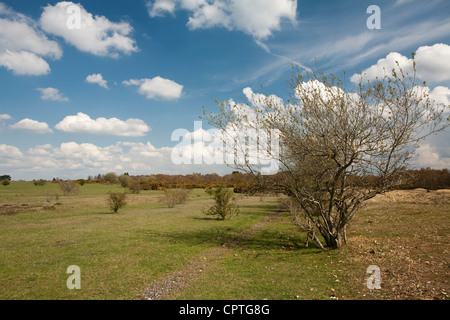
(147,250)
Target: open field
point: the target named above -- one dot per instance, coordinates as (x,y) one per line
(149,251)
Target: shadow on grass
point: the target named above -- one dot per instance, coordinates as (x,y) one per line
(234,238)
(111,213)
(207,219)
(268,206)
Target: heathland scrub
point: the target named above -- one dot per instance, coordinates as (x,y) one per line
(259,254)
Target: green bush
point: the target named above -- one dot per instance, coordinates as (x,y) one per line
(224,206)
(116,201)
(110,178)
(6,183)
(40,182)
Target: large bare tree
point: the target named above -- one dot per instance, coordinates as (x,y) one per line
(340,143)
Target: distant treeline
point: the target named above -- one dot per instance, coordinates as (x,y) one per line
(241,182)
(430,179)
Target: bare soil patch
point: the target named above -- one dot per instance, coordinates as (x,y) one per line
(406,234)
(10,209)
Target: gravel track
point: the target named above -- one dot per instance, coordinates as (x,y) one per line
(162,288)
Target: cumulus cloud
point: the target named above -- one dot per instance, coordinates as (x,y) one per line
(242,142)
(96,35)
(24,63)
(78,160)
(160,8)
(71,160)
(432,64)
(384,67)
(32,125)
(82,123)
(52,94)
(10,152)
(23,45)
(157,88)
(98,79)
(428,156)
(258,18)
(441,95)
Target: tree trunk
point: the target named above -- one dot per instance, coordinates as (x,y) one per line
(334,241)
(345,234)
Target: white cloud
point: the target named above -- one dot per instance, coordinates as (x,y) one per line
(243,141)
(96,35)
(98,79)
(240,144)
(160,7)
(5,116)
(32,125)
(82,123)
(10,152)
(78,160)
(427,156)
(24,63)
(157,88)
(71,160)
(258,18)
(23,45)
(384,67)
(52,94)
(432,64)
(441,95)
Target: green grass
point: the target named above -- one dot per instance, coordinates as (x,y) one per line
(274,265)
(121,254)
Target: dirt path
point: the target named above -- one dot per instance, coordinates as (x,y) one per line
(177,280)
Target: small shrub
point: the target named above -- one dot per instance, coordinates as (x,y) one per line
(110,178)
(6,183)
(135,187)
(40,182)
(116,201)
(173,197)
(181,195)
(224,206)
(82,182)
(68,187)
(124,180)
(49,196)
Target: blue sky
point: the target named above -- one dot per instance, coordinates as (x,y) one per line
(163,60)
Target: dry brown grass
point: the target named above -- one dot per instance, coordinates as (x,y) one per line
(406,234)
(417,196)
